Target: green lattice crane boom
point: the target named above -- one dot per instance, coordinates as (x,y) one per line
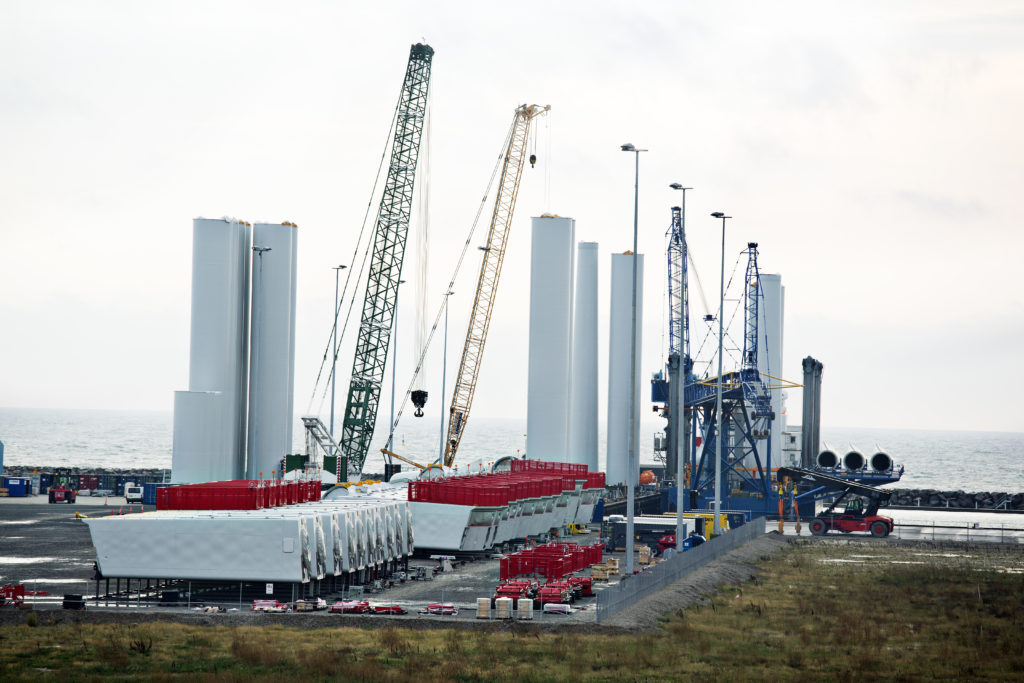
(490,272)
(381,298)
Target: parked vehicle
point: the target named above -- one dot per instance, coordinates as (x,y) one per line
(132,493)
(62,494)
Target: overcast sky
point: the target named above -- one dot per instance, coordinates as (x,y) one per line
(874,150)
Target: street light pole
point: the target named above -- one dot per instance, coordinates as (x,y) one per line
(444,376)
(334,341)
(632,468)
(677,385)
(718,391)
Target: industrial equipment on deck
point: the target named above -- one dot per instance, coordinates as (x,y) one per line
(381,298)
(490,272)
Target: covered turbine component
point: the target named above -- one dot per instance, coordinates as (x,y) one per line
(828,459)
(854,460)
(881,462)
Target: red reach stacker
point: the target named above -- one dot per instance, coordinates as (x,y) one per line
(62,494)
(860,512)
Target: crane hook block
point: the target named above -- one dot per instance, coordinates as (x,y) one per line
(419,399)
(533,160)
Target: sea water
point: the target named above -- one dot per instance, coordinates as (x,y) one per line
(945,460)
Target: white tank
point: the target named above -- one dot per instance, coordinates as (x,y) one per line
(619,364)
(218,354)
(272,366)
(583,410)
(550,364)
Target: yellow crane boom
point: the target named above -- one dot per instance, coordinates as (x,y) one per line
(490,272)
(402,458)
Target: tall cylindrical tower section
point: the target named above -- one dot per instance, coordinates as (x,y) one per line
(769,352)
(272,360)
(218,351)
(620,364)
(583,410)
(550,353)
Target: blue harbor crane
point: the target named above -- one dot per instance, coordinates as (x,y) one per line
(747,419)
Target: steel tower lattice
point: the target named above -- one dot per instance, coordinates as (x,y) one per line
(490,272)
(381,297)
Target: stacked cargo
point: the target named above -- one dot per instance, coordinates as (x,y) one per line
(478,511)
(550,561)
(296,543)
(240,494)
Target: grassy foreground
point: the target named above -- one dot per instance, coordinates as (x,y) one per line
(818,611)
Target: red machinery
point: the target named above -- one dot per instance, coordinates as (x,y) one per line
(12,596)
(860,513)
(583,585)
(440,608)
(555,592)
(268,606)
(62,494)
(389,609)
(351,607)
(515,589)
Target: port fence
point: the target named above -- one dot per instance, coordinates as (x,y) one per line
(626,592)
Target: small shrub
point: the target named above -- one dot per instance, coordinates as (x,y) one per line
(32,620)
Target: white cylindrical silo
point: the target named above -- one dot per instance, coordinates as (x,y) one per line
(550,364)
(619,365)
(583,409)
(218,347)
(769,352)
(272,358)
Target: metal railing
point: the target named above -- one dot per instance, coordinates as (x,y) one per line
(626,592)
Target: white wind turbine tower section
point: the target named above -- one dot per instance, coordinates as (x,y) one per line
(272,363)
(550,354)
(209,418)
(583,411)
(769,356)
(619,362)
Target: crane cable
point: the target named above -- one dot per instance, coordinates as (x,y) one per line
(451,283)
(348,277)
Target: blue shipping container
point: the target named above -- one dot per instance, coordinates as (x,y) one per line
(149,493)
(17,487)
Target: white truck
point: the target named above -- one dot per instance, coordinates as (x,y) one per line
(132,493)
